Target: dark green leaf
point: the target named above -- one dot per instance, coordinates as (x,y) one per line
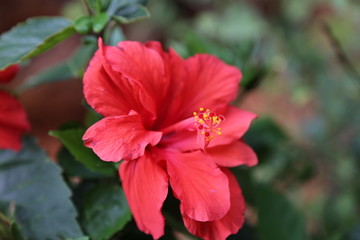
(106,212)
(97,6)
(15,231)
(170,234)
(243,175)
(174,218)
(92,5)
(83,24)
(253,75)
(92,117)
(142,2)
(42,200)
(127,11)
(72,140)
(131,231)
(271,137)
(32,38)
(246,232)
(74,168)
(277,218)
(115,5)
(100,21)
(80,60)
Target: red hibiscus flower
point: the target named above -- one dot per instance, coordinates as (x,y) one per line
(8,73)
(170,120)
(13,122)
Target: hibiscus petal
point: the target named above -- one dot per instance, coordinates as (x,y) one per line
(236,123)
(8,73)
(112,94)
(176,75)
(200,81)
(120,137)
(229,224)
(146,186)
(209,83)
(13,122)
(138,63)
(233,154)
(182,141)
(199,184)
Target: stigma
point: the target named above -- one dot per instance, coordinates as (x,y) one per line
(207,125)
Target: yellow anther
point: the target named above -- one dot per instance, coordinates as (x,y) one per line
(207,123)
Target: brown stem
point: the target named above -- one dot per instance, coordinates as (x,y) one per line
(86,6)
(4,220)
(340,53)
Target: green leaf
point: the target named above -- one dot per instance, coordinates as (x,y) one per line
(53,74)
(80,60)
(34,184)
(106,212)
(127,11)
(31,38)
(72,140)
(80,238)
(72,68)
(83,24)
(277,218)
(272,135)
(244,178)
(130,13)
(115,5)
(100,21)
(97,6)
(114,36)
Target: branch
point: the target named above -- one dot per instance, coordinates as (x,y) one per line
(340,53)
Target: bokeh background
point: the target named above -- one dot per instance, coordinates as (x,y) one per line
(301,67)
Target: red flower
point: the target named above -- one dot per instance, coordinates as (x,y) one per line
(13,122)
(170,120)
(8,73)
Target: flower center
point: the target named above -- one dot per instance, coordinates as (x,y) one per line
(207,124)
